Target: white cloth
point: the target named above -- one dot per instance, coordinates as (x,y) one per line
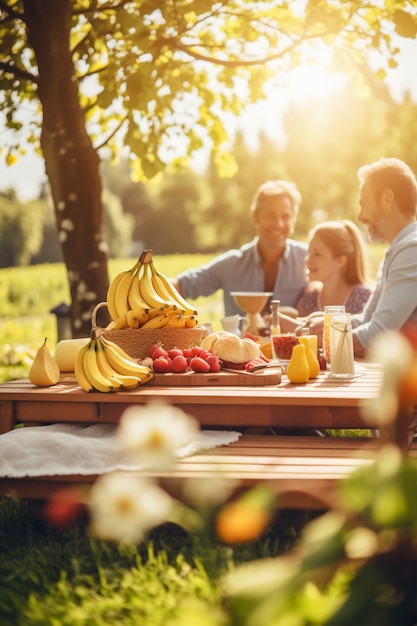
(65,449)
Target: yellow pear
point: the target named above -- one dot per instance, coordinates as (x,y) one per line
(298,370)
(66,350)
(313,362)
(44,371)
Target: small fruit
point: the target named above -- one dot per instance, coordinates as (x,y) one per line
(162,365)
(199,365)
(175,352)
(44,371)
(298,370)
(179,364)
(158,352)
(214,362)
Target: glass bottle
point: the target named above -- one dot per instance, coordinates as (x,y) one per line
(274,327)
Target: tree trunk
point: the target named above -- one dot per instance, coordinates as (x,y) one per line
(72,164)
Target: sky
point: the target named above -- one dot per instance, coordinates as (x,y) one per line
(27,175)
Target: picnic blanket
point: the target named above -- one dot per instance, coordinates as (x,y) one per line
(65,449)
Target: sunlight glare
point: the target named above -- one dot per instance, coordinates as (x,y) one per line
(314,79)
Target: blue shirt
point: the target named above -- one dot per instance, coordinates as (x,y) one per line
(394,301)
(241,270)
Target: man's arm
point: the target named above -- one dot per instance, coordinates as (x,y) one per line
(358,349)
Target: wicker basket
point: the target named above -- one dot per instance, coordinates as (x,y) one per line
(136,342)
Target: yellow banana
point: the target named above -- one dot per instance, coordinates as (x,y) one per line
(175,321)
(79,372)
(118,324)
(136,317)
(98,380)
(122,362)
(166,287)
(122,291)
(130,382)
(157,322)
(155,312)
(104,366)
(111,294)
(162,290)
(134,296)
(149,294)
(190,321)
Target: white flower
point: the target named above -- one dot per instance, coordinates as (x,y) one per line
(395,354)
(153,433)
(124,507)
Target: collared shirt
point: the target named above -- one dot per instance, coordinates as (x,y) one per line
(241,270)
(394,301)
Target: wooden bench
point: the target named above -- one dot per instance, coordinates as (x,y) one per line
(303,470)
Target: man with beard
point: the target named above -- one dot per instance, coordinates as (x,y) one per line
(272,261)
(388,201)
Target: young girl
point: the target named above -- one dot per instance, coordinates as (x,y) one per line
(336,263)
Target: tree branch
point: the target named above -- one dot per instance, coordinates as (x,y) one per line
(112,134)
(14,15)
(17,72)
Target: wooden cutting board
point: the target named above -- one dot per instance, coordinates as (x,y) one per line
(271,376)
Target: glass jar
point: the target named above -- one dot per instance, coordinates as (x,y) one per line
(328,312)
(341,345)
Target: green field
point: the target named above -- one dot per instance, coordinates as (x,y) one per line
(27,295)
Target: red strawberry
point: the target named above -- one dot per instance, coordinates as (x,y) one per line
(199,365)
(179,364)
(175,352)
(195,351)
(158,352)
(204,354)
(162,365)
(214,362)
(152,348)
(187,353)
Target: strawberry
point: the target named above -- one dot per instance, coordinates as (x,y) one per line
(179,364)
(214,362)
(175,352)
(204,354)
(195,351)
(158,352)
(162,365)
(199,365)
(152,348)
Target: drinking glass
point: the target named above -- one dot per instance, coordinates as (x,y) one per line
(328,312)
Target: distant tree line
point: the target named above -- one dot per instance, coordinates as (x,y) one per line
(188,212)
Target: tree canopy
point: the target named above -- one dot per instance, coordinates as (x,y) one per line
(152,80)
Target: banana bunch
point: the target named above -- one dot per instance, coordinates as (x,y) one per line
(142,297)
(102,365)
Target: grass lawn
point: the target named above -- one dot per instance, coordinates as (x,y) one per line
(67,578)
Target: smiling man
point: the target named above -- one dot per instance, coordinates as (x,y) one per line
(272,261)
(388,201)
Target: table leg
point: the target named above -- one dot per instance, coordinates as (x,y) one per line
(7,421)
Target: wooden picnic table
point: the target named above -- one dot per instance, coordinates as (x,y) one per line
(325,402)
(304,470)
